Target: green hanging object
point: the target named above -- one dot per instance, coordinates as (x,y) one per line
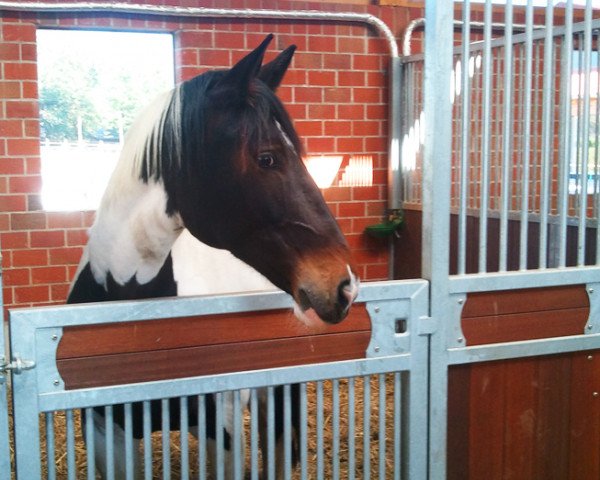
(387,228)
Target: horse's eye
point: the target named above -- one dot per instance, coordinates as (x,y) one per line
(266,160)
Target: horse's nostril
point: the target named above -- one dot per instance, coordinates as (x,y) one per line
(345,294)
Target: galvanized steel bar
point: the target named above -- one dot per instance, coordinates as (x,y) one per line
(147,440)
(254,434)
(587,65)
(109,447)
(270,434)
(129,464)
(183,437)
(166,438)
(70,433)
(335,427)
(202,440)
(237,436)
(507,146)
(465,137)
(50,450)
(90,446)
(381,426)
(485,138)
(565,136)
(303,432)
(366,427)
(287,431)
(397,425)
(526,153)
(320,428)
(546,158)
(351,428)
(219,460)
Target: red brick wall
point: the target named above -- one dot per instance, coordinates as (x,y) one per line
(336,92)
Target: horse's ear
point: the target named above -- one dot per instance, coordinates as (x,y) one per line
(272,73)
(241,74)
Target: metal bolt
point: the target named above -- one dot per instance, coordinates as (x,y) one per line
(460,339)
(54,338)
(56,383)
(376,349)
(590,357)
(595,394)
(590,290)
(460,301)
(376,309)
(590,326)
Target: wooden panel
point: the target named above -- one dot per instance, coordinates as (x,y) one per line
(204,360)
(534,418)
(507,316)
(93,340)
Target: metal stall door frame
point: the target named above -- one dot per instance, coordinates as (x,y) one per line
(449,292)
(5,367)
(397,345)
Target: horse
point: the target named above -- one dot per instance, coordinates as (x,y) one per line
(217,156)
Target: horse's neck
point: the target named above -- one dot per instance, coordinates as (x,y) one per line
(132,235)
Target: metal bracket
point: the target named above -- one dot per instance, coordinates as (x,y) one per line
(593,323)
(427,325)
(17,366)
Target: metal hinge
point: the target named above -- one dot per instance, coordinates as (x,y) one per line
(17,366)
(427,325)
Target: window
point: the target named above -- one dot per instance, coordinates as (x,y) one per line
(92,84)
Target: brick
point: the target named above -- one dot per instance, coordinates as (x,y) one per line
(336,128)
(10,240)
(195,39)
(64,220)
(77,237)
(30,91)
(376,79)
(326,78)
(28,221)
(36,295)
(324,112)
(25,184)
(309,128)
(65,256)
(21,109)
(18,32)
(16,276)
(366,193)
(10,128)
(215,58)
(12,166)
(320,145)
(20,71)
(47,238)
(33,165)
(367,95)
(351,112)
(338,194)
(366,62)
(10,90)
(352,44)
(295,77)
(9,51)
(337,62)
(366,128)
(321,43)
(376,272)
(186,56)
(352,209)
(28,52)
(233,40)
(45,275)
(13,203)
(30,257)
(59,292)
(312,61)
(351,79)
(34,202)
(338,95)
(23,146)
(308,95)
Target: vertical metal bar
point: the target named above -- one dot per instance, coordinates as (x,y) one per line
(485,136)
(128,442)
(351,429)
(50,449)
(546,135)
(270,434)
(303,432)
(366,428)
(90,446)
(201,437)
(147,440)
(219,437)
(287,431)
(110,442)
(184,429)
(320,449)
(381,446)
(397,426)
(525,158)
(565,140)
(465,138)
(71,468)
(335,427)
(253,434)
(597,154)
(507,137)
(166,438)
(237,436)
(587,65)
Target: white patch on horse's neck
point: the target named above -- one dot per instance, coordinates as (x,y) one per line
(132,234)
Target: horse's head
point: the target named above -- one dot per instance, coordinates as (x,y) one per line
(242,186)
